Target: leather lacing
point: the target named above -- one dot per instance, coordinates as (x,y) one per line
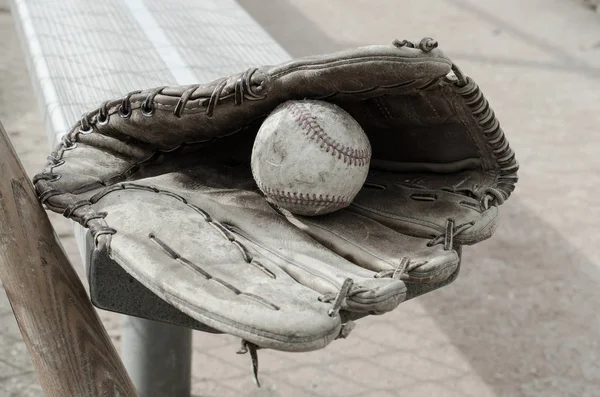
(345,330)
(338,299)
(400,271)
(426,44)
(505,156)
(490,127)
(242,89)
(406,265)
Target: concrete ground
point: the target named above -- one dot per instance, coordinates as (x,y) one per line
(523,317)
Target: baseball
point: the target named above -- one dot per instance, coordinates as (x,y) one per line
(310,157)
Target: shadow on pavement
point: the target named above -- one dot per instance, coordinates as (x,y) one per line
(524,311)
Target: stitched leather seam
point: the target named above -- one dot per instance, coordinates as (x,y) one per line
(311,127)
(383,109)
(302,198)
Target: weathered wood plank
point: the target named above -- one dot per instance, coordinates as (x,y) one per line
(68,345)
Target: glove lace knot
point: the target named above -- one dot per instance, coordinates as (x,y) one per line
(426,44)
(400,272)
(448,236)
(451,231)
(338,299)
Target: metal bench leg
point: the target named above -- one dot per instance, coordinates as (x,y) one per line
(158,357)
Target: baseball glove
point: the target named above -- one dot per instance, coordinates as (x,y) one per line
(162,179)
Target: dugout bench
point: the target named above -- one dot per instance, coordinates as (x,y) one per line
(83,52)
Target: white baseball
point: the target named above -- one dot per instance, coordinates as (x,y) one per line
(310,157)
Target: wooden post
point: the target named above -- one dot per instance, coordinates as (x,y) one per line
(68,345)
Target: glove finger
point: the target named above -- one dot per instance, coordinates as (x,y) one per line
(381,249)
(424,206)
(192,264)
(325,272)
(245,213)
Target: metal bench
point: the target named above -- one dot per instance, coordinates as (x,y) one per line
(82,52)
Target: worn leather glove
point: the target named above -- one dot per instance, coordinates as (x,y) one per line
(162,179)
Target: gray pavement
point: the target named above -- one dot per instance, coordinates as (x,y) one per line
(523,317)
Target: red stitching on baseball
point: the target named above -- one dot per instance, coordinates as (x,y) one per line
(301,198)
(311,127)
